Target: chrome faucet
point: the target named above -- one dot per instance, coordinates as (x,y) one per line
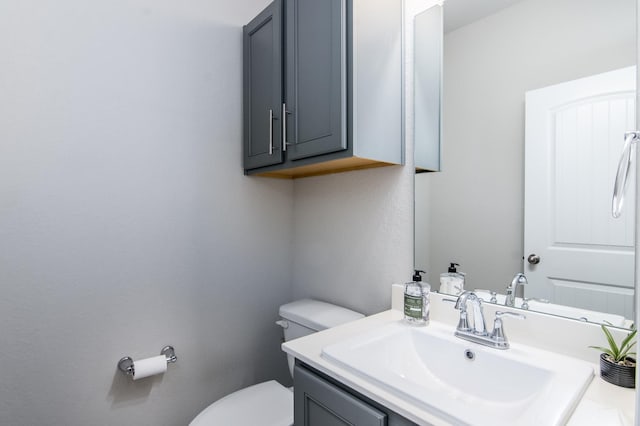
(479,325)
(518,280)
(478,333)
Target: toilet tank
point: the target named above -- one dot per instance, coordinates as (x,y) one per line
(307,316)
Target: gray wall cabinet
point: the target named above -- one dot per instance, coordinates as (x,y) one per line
(335,103)
(320,401)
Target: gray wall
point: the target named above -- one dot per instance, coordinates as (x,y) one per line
(125,220)
(353,236)
(475,206)
(353,232)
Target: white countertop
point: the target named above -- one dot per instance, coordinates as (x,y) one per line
(602,404)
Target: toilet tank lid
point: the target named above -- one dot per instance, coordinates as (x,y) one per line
(317,315)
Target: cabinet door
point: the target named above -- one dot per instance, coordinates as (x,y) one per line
(316,75)
(262,84)
(319,403)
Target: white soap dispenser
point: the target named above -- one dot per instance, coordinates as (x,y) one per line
(452,282)
(416,300)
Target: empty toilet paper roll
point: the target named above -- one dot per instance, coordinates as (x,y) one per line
(149,366)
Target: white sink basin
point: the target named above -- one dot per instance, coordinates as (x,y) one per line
(518,386)
(563,311)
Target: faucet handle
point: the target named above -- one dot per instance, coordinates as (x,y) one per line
(525,304)
(493,294)
(497,335)
(463,322)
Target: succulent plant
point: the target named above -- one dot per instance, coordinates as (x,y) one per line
(618,354)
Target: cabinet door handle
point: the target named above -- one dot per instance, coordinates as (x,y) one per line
(284,127)
(270,132)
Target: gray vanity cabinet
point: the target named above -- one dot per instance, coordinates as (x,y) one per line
(320,402)
(323,87)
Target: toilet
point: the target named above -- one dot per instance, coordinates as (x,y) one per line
(270,403)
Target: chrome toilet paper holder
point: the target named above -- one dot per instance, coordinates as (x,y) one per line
(126,364)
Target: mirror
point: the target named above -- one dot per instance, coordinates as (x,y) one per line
(472,211)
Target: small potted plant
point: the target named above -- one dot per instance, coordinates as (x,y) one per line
(617,364)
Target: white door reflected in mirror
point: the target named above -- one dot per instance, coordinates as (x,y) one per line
(574,134)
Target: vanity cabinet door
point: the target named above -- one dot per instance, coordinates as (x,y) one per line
(262,88)
(320,403)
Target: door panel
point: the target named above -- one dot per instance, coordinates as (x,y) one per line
(574,135)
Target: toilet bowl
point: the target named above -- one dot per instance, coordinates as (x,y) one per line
(267,403)
(270,403)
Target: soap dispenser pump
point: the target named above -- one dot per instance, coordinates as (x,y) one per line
(452,282)
(416,300)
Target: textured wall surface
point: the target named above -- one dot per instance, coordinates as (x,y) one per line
(125,220)
(353,236)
